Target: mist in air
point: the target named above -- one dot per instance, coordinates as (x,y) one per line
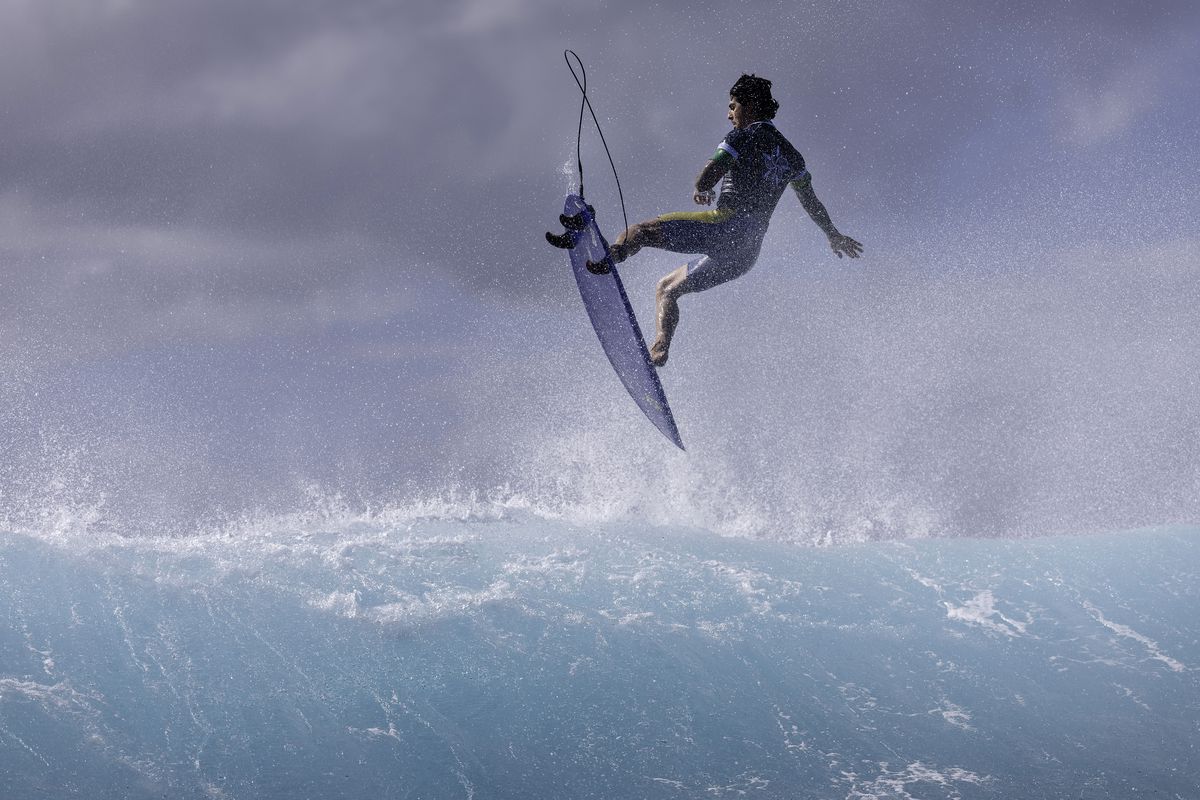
(307,262)
(315,482)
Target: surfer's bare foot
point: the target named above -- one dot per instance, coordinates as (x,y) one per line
(658,353)
(667,316)
(599,267)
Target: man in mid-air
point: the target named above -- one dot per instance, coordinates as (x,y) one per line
(757,163)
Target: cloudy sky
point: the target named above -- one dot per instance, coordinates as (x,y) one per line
(303,238)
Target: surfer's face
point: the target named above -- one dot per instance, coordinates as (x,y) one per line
(739,115)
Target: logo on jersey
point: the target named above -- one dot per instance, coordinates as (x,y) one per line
(776,167)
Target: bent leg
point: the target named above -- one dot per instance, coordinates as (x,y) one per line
(670,289)
(702,274)
(635,237)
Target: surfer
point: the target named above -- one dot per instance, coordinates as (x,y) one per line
(754,164)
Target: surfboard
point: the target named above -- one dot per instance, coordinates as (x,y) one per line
(614,322)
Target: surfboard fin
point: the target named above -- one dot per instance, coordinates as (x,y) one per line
(575,222)
(572,226)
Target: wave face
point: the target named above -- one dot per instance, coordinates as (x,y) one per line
(469,651)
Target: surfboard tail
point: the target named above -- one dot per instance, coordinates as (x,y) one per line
(613,318)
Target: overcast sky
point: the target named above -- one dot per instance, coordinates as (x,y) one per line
(208,176)
(230,161)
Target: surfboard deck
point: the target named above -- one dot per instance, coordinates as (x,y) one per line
(615,324)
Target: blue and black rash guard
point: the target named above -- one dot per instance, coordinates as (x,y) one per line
(764,163)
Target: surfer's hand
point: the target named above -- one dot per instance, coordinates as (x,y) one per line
(703,198)
(844,244)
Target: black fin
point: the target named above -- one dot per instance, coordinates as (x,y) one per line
(575,223)
(564,241)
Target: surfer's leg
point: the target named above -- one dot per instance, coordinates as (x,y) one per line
(679,232)
(731,261)
(670,288)
(635,237)
(632,239)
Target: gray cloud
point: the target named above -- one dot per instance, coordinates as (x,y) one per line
(238,151)
(391,120)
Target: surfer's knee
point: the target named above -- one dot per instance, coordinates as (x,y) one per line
(670,286)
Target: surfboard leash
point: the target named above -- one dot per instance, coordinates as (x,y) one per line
(586,103)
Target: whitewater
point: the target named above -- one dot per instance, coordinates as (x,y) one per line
(315,484)
(468,647)
(933,538)
(944,548)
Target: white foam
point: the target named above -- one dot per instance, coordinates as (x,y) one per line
(343,604)
(438,604)
(758,588)
(894,785)
(61,696)
(1127,632)
(955,715)
(981,611)
(561,563)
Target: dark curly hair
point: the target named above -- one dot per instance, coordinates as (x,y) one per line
(751,90)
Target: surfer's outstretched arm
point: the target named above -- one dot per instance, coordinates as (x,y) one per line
(816,209)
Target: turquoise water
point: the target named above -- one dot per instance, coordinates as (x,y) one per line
(444,653)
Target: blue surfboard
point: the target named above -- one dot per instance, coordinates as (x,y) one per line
(615,324)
